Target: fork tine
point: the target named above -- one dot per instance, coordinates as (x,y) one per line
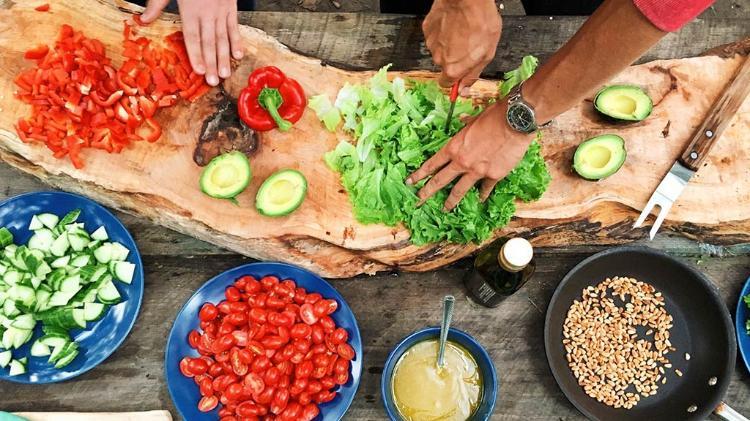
(646,211)
(663,211)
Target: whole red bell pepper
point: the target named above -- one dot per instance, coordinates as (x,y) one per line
(271,100)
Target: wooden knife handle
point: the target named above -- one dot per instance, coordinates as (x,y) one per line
(718,118)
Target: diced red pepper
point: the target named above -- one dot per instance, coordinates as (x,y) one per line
(42,8)
(37,52)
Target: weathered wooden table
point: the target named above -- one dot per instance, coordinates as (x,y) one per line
(388,306)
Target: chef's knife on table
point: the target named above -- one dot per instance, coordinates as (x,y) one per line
(695,153)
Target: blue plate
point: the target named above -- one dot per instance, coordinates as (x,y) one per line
(184,391)
(100,339)
(741,316)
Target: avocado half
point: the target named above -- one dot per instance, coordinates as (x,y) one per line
(624,102)
(599,157)
(226,176)
(282,193)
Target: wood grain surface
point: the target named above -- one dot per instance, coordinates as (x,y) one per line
(159,181)
(387,306)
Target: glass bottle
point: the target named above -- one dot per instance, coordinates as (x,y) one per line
(500,270)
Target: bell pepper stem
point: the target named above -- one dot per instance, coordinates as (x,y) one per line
(271,100)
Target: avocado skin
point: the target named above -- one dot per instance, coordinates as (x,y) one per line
(293,205)
(205,180)
(614,143)
(644,104)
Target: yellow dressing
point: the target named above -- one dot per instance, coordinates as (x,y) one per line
(422,392)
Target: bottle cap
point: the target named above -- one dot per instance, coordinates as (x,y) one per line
(516,254)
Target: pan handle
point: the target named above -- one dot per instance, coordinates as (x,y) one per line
(725,412)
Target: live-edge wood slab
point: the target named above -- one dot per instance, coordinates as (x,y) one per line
(159,181)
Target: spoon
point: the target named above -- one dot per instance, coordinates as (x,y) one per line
(444,326)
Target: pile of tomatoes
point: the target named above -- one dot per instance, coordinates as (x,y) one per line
(269,351)
(80,100)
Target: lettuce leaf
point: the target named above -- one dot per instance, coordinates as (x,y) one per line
(325,111)
(398,125)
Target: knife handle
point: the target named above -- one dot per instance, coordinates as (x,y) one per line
(718,118)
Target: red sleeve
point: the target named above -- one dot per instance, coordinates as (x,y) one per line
(671,15)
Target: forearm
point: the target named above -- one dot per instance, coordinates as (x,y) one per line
(615,36)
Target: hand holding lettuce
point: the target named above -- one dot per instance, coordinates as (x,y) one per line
(398,125)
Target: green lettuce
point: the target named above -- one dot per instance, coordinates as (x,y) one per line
(398,125)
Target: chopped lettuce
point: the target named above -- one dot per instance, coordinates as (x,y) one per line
(325,111)
(398,125)
(516,76)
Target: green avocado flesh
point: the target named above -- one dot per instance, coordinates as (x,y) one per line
(282,193)
(226,176)
(599,157)
(624,102)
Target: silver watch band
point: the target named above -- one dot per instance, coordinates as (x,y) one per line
(516,97)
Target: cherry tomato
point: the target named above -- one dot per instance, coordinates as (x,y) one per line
(275,302)
(240,337)
(248,409)
(252,286)
(254,382)
(320,360)
(221,382)
(224,307)
(342,378)
(304,398)
(223,343)
(325,307)
(346,351)
(266,396)
(318,334)
(297,358)
(260,364)
(325,396)
(307,314)
(197,366)
(238,307)
(309,412)
(225,328)
(208,312)
(328,383)
(239,367)
(228,417)
(292,411)
(300,331)
(299,386)
(185,367)
(194,339)
(233,294)
(299,295)
(319,372)
(215,370)
(233,392)
(313,387)
(286,367)
(273,342)
(303,370)
(208,403)
(256,347)
(339,336)
(327,323)
(341,366)
(258,315)
(237,319)
(280,401)
(272,376)
(206,387)
(268,282)
(313,298)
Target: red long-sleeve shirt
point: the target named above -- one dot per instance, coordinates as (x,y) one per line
(671,15)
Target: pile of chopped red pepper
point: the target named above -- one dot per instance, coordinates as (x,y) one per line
(79,100)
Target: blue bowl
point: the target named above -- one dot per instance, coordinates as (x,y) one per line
(490,385)
(741,316)
(100,339)
(184,391)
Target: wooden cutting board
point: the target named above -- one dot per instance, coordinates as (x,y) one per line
(160,181)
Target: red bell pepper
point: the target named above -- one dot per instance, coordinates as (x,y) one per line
(271,100)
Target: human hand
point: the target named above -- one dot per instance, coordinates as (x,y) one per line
(462,36)
(210,29)
(487,149)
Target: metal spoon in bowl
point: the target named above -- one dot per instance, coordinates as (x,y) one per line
(444,326)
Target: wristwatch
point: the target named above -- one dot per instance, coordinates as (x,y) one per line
(520,114)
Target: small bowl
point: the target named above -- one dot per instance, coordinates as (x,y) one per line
(490,385)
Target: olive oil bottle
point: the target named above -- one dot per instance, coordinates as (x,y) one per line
(500,270)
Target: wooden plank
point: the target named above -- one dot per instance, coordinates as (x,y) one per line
(512,334)
(367,41)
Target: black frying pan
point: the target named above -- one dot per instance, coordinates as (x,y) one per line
(702,328)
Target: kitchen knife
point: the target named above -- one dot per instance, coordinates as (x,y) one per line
(694,155)
(453,98)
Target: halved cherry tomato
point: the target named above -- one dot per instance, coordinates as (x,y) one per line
(208,312)
(307,314)
(346,352)
(208,403)
(185,367)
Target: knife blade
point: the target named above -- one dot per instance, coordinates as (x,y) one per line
(718,118)
(453,98)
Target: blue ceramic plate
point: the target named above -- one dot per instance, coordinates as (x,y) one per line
(741,316)
(100,339)
(184,391)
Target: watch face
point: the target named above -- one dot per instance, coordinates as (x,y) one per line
(521,118)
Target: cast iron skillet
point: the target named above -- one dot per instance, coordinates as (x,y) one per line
(702,328)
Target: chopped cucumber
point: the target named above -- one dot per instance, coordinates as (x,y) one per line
(119,252)
(104,253)
(39,349)
(81,261)
(77,241)
(54,341)
(67,358)
(16,368)
(21,336)
(94,311)
(72,284)
(5,358)
(24,321)
(108,293)
(49,220)
(42,240)
(9,337)
(35,223)
(60,262)
(60,246)
(61,298)
(100,234)
(124,271)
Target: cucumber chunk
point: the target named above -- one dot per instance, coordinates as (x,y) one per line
(5,358)
(16,368)
(94,311)
(67,359)
(49,220)
(42,240)
(124,271)
(78,241)
(60,262)
(35,223)
(104,253)
(100,234)
(119,252)
(39,349)
(60,246)
(54,341)
(108,293)
(24,321)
